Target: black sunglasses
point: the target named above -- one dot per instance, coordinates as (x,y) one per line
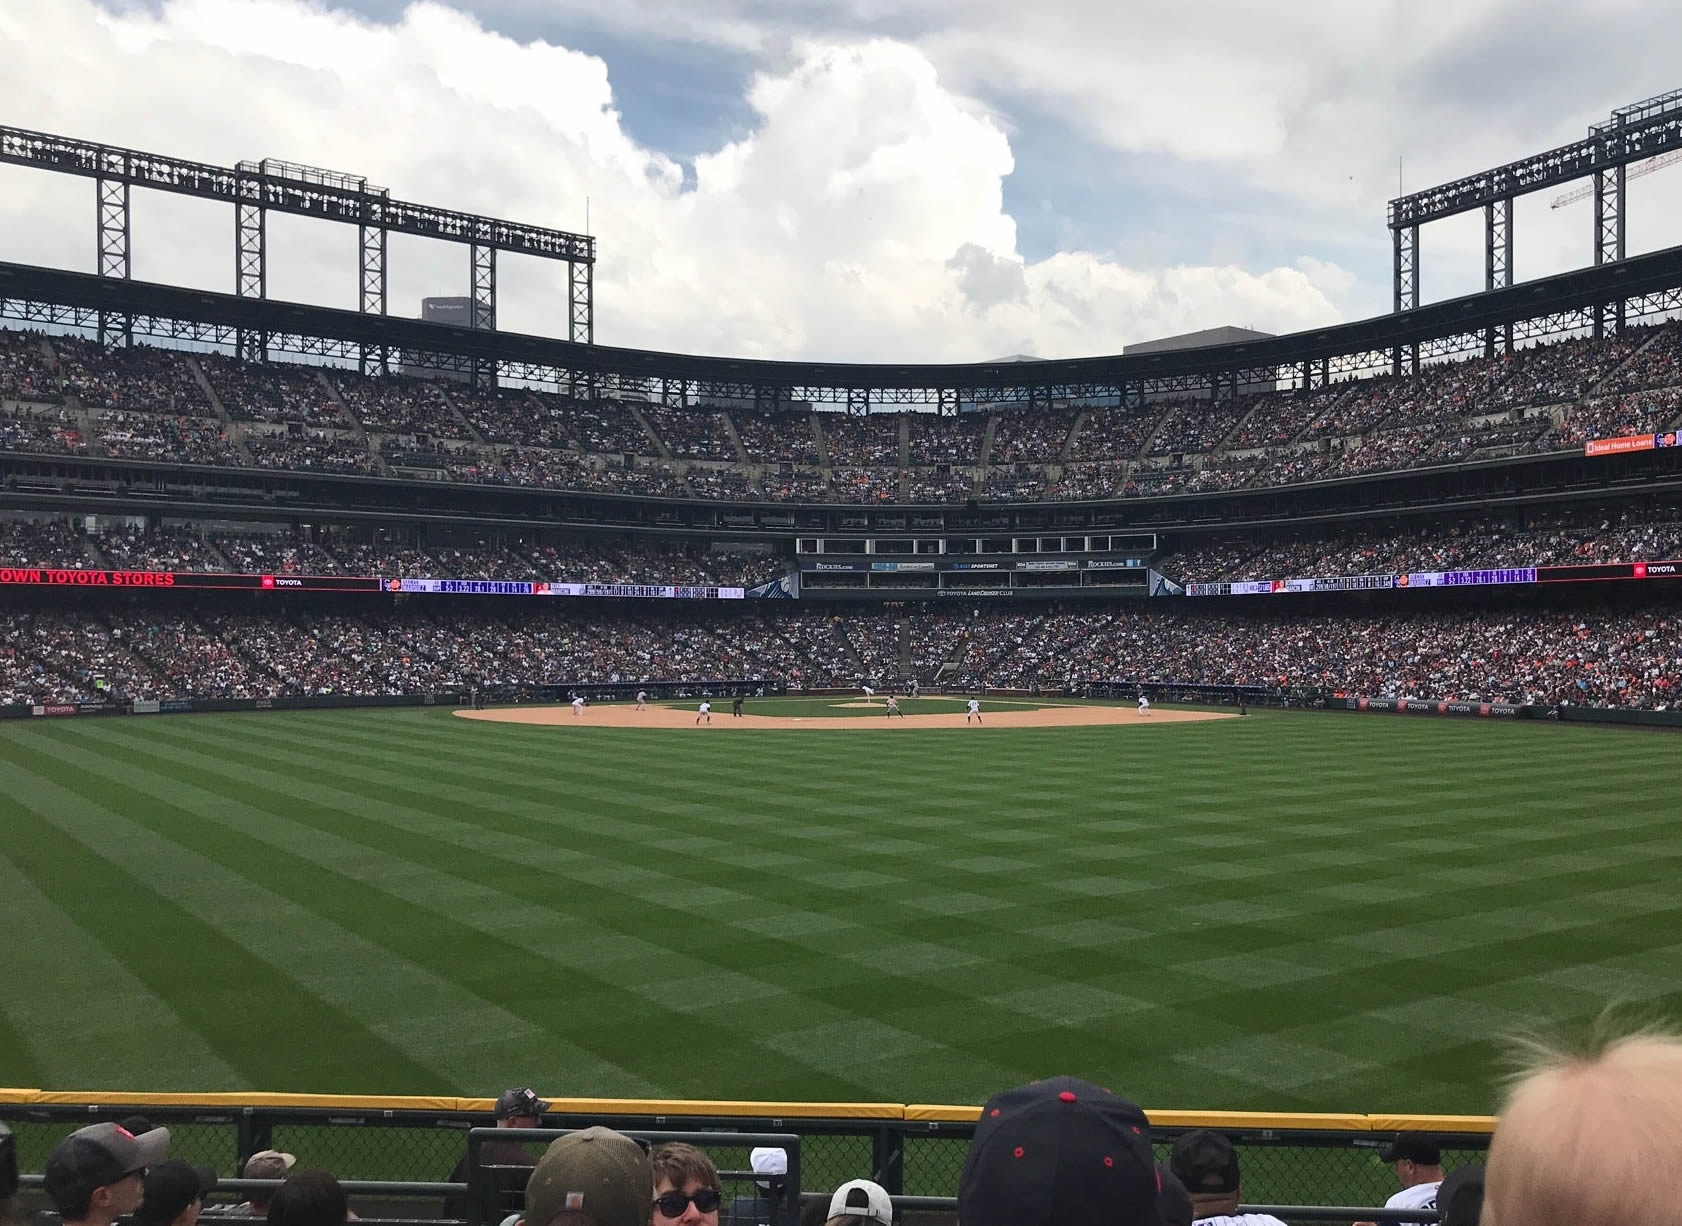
(672,1204)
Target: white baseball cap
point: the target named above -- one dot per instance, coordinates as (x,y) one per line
(862,1198)
(768,1161)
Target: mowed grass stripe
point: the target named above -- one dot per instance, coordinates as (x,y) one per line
(411,931)
(259,1020)
(1257,912)
(870,981)
(133,1028)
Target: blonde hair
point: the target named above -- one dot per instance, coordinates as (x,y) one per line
(1591,1137)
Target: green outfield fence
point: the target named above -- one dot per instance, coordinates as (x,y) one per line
(911,1149)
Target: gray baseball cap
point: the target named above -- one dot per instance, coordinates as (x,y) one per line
(98,1156)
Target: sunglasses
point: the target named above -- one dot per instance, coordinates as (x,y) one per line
(672,1204)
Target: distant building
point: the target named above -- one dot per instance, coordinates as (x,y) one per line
(1200,340)
(452,313)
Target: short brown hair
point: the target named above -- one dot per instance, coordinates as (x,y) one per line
(681,1164)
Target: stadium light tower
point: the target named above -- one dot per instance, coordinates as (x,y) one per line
(1638,132)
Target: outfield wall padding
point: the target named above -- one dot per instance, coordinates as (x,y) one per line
(742,1108)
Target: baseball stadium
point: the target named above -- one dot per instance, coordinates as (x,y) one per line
(785,758)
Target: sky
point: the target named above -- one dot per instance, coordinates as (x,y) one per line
(856,180)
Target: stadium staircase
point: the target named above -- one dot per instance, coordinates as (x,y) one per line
(985,459)
(735,440)
(660,448)
(822,445)
(472,430)
(233,435)
(1336,406)
(350,421)
(906,667)
(904,441)
(1075,428)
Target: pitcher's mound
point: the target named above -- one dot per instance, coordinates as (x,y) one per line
(621,716)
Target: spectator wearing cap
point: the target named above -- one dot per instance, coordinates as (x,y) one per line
(97,1174)
(173,1194)
(1460,1199)
(1591,1138)
(768,1204)
(1061,1152)
(264,1164)
(9,1215)
(1207,1164)
(1173,1202)
(687,1191)
(596,1177)
(860,1202)
(1418,1162)
(511,1162)
(309,1198)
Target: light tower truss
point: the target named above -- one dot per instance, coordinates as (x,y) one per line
(258,188)
(1633,133)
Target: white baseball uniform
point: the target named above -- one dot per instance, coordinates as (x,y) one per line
(578,706)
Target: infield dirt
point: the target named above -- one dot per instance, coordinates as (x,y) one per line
(625,716)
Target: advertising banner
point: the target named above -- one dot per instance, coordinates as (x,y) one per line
(1629,442)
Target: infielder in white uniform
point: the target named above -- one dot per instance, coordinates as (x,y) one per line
(642,700)
(893,707)
(974,711)
(1144,705)
(706,713)
(578,704)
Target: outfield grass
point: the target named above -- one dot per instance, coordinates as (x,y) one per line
(1305,911)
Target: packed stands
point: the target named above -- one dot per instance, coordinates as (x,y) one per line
(146,403)
(1619,657)
(259,391)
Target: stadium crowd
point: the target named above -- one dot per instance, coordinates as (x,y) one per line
(1626,657)
(149,403)
(1058,1151)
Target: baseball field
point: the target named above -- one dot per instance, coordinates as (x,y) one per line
(1291,911)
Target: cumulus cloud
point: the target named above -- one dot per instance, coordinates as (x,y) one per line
(860,217)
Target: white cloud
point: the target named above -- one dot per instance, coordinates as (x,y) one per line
(860,218)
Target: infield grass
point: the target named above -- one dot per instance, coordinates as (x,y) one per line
(1289,912)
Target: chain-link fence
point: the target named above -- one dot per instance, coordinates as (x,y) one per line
(918,1158)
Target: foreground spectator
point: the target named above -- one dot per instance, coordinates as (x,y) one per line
(1173,1202)
(1460,1199)
(687,1191)
(9,1215)
(1417,1160)
(1207,1164)
(596,1177)
(1060,1152)
(264,1164)
(1591,1139)
(309,1198)
(860,1203)
(97,1174)
(174,1194)
(512,1161)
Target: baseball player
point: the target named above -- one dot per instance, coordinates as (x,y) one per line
(578,704)
(869,690)
(706,713)
(1144,705)
(893,707)
(914,687)
(736,706)
(974,711)
(642,700)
